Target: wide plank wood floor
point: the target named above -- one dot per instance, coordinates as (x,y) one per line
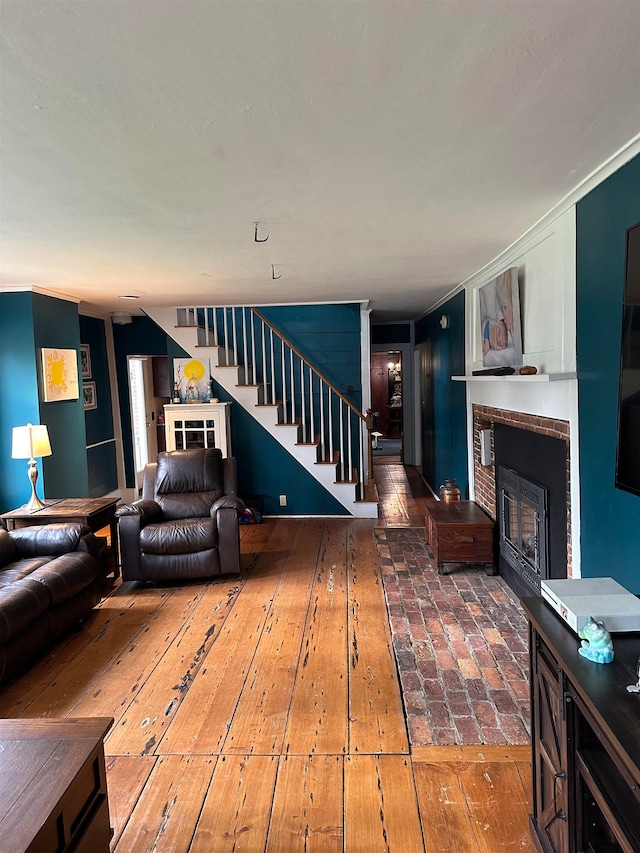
(264,713)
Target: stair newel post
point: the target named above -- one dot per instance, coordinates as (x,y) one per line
(363,459)
(368,418)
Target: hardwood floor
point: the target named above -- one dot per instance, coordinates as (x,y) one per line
(264,713)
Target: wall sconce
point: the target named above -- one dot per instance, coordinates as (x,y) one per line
(444,322)
(28,442)
(395,368)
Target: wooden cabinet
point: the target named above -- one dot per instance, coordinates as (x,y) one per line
(162,387)
(53,785)
(585,741)
(459,532)
(191,425)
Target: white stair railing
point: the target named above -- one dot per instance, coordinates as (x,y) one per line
(286,380)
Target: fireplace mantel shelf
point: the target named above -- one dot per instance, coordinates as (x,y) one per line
(517,377)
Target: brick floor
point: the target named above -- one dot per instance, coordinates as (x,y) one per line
(460,642)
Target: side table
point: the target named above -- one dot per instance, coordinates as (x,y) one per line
(53,785)
(96,513)
(459,532)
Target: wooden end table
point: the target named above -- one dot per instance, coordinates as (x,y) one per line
(459,532)
(96,513)
(53,785)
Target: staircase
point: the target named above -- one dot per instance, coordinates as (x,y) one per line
(281,390)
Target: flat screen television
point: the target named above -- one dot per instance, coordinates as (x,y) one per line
(628,452)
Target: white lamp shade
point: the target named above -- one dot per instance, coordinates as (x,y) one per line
(30,441)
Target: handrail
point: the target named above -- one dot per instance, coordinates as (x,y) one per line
(310,366)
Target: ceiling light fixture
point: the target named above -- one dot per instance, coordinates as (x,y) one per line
(129,296)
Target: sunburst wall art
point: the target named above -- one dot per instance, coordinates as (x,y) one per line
(193,378)
(59,374)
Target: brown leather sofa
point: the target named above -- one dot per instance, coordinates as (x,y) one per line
(186,525)
(49,581)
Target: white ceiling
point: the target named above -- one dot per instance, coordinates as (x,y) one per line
(389,149)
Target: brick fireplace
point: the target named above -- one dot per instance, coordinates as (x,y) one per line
(486,417)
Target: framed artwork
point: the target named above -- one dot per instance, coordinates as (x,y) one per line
(59,374)
(89,395)
(193,378)
(500,329)
(85,361)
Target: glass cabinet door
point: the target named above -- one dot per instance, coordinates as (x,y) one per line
(209,429)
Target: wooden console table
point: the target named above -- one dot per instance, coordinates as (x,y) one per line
(459,532)
(96,513)
(53,786)
(585,740)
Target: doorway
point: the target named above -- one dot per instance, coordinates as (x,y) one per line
(143,421)
(387,404)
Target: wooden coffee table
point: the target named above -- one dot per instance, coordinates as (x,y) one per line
(53,785)
(96,513)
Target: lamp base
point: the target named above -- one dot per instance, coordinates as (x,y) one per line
(34,503)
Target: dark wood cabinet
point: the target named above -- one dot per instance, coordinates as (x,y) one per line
(53,785)
(459,532)
(162,387)
(585,741)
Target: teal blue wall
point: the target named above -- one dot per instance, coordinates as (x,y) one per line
(449,398)
(56,324)
(28,322)
(101,445)
(610,518)
(18,393)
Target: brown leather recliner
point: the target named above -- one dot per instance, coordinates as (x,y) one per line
(186,525)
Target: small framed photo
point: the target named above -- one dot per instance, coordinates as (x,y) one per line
(89,395)
(85,360)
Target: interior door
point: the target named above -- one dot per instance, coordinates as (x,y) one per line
(380,389)
(426,407)
(143,425)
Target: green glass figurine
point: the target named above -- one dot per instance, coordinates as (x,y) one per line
(596,642)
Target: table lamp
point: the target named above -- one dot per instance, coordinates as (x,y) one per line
(28,442)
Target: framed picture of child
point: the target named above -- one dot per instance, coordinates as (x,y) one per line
(500,330)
